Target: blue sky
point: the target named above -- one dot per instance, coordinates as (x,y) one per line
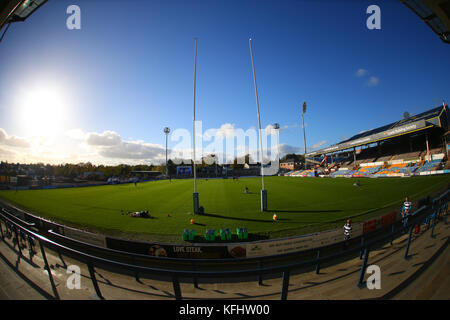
(128,73)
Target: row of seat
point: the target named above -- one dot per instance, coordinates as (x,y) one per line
(393,169)
(300,173)
(399,168)
(429,166)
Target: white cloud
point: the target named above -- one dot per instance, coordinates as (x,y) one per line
(319,144)
(361,72)
(107,138)
(285,149)
(109,144)
(133,151)
(6,153)
(12,141)
(292,126)
(373,81)
(226,130)
(270,127)
(76,134)
(110,148)
(100,148)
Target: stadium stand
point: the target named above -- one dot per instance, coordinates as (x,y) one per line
(433,165)
(416,145)
(368,170)
(447,166)
(408,156)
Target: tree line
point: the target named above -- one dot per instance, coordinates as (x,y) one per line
(120,170)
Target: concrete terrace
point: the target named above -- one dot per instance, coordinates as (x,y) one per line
(423,276)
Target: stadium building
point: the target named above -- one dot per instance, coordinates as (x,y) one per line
(435,14)
(414,145)
(290,164)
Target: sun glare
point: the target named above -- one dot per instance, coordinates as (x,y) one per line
(42,112)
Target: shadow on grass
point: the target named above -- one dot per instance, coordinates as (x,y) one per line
(199,224)
(267,220)
(304,211)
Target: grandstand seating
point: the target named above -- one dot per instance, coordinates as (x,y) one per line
(368,170)
(394,166)
(381,170)
(300,173)
(391,158)
(342,172)
(447,166)
(293,173)
(429,166)
(404,154)
(394,169)
(307,173)
(399,167)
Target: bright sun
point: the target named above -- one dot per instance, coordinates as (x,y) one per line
(42,112)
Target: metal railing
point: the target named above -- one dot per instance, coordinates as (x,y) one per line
(176,268)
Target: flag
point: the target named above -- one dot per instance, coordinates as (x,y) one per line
(304,107)
(324,160)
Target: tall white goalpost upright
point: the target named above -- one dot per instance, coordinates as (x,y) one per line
(195,194)
(263,190)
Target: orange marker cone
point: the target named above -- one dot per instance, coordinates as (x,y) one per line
(274,217)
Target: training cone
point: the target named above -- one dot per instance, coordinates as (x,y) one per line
(192,221)
(274,217)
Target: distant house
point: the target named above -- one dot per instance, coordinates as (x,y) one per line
(22,180)
(251,166)
(290,164)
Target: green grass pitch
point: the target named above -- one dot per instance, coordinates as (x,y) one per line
(302,204)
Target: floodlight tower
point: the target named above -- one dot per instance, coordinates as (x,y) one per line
(263,191)
(195,194)
(304,134)
(167,131)
(276,126)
